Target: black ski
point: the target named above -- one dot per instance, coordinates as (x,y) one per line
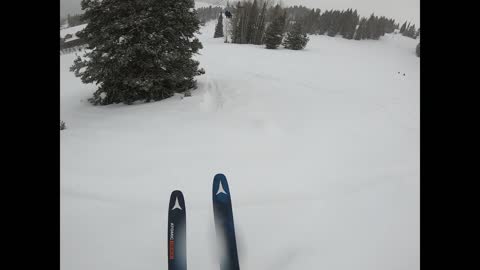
(177,237)
(224,227)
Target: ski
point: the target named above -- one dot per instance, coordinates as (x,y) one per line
(177,237)
(224,226)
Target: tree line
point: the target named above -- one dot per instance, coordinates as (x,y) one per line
(205,14)
(258,22)
(409,30)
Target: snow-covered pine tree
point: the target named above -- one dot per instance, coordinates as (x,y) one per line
(296,39)
(219,27)
(274,32)
(138,50)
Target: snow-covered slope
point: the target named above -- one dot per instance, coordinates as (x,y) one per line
(320,146)
(71,30)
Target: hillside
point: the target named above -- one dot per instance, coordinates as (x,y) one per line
(320,146)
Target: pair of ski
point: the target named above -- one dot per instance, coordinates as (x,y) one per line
(224,227)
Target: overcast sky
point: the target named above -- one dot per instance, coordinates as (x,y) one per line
(400,10)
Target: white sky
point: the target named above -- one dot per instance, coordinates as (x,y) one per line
(400,10)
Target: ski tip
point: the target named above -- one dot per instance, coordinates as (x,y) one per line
(220,185)
(176,193)
(176,201)
(220,177)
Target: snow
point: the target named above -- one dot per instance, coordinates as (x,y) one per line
(72,31)
(320,147)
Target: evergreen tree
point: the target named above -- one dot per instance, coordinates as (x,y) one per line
(417,50)
(283,21)
(373,29)
(349,24)
(404,26)
(275,12)
(412,31)
(274,33)
(139,50)
(242,27)
(219,27)
(323,22)
(360,32)
(260,27)
(308,21)
(241,22)
(296,39)
(252,23)
(332,29)
(235,23)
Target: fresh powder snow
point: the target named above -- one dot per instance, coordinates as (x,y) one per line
(320,147)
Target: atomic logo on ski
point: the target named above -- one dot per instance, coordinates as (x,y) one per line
(220,189)
(177,205)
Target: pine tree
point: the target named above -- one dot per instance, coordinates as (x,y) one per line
(235,23)
(260,27)
(360,32)
(373,28)
(296,39)
(274,33)
(417,50)
(252,22)
(308,21)
(409,31)
(412,31)
(219,27)
(275,12)
(404,26)
(138,50)
(349,24)
(241,31)
(335,23)
(323,22)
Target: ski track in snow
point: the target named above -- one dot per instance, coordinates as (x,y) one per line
(320,147)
